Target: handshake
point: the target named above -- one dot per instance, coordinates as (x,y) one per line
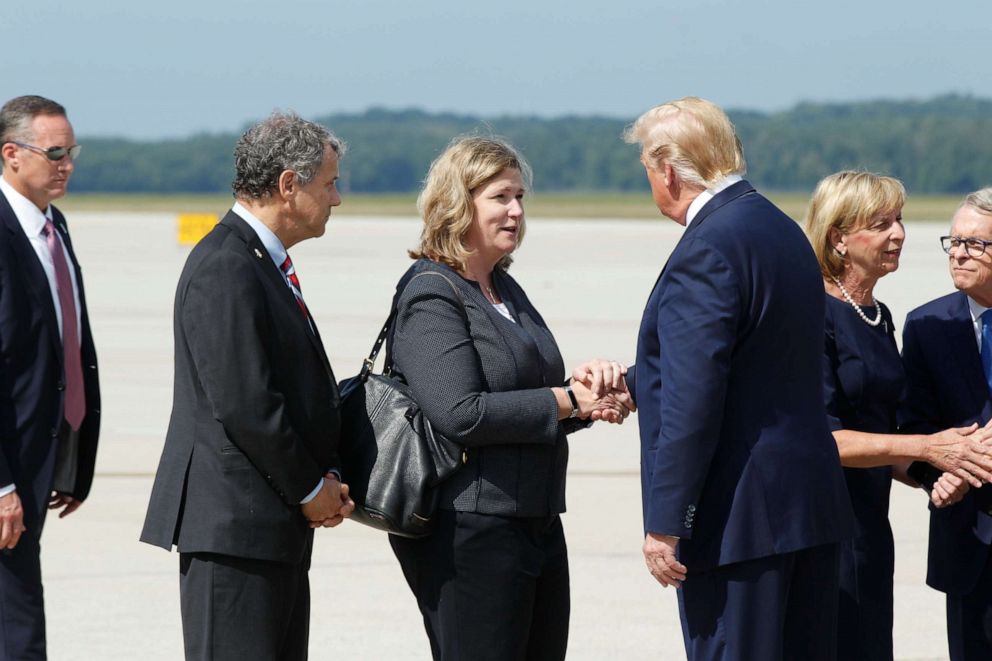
(962,457)
(600,391)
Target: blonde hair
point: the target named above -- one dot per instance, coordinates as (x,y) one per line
(847,201)
(692,135)
(445,203)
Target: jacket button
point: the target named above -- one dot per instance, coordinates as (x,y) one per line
(60,385)
(55,432)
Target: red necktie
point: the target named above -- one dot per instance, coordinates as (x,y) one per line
(290,271)
(75,393)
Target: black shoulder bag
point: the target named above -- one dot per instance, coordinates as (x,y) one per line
(392,460)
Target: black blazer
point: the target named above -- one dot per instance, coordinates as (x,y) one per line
(946,387)
(255,421)
(485,383)
(31,372)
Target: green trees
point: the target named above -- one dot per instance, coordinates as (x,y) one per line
(937,145)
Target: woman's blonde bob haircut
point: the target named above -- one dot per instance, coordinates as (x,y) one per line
(446,204)
(692,135)
(847,201)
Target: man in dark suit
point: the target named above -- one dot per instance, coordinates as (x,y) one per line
(947,353)
(247,468)
(49,391)
(744,499)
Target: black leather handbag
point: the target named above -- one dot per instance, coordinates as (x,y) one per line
(392,459)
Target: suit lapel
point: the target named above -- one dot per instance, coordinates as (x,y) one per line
(270,271)
(31,271)
(960,339)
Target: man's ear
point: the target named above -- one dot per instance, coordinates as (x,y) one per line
(672,179)
(9,151)
(289,184)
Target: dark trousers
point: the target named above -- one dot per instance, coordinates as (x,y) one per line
(22,603)
(969,621)
(238,608)
(490,588)
(778,608)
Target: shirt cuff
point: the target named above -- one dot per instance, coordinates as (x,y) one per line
(10,488)
(313,494)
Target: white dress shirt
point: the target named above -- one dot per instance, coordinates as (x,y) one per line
(976,320)
(278,253)
(709,194)
(32,221)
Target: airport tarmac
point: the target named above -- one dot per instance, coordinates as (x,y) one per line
(111,598)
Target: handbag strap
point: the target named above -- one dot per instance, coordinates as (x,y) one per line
(369,363)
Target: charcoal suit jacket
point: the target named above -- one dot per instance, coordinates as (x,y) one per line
(255,417)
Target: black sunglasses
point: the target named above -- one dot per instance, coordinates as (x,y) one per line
(53,153)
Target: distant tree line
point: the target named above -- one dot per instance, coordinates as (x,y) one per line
(941,145)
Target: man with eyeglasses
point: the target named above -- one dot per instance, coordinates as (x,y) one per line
(49,391)
(947,353)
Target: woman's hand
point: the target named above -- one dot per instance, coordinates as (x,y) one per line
(948,489)
(961,451)
(600,376)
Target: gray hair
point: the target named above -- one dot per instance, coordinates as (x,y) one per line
(980,200)
(17,114)
(283,141)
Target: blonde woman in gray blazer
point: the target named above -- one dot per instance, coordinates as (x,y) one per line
(492,580)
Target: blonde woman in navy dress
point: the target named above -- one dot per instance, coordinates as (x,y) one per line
(855,225)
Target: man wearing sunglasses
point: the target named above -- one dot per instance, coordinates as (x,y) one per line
(49,392)
(947,353)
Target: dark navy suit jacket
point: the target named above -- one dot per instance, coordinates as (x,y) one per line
(945,387)
(32,387)
(736,456)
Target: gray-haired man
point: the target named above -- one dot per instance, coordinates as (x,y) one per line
(246,471)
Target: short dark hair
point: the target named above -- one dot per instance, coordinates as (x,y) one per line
(283,141)
(16,116)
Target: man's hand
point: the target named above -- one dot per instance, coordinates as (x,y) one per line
(11,520)
(65,501)
(948,490)
(331,505)
(659,554)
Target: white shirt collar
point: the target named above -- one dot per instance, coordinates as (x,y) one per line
(31,217)
(976,319)
(709,194)
(269,240)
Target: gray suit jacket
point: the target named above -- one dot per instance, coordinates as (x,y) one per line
(485,383)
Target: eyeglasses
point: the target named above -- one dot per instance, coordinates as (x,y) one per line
(53,153)
(974,247)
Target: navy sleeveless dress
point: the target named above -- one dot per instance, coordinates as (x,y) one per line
(864,377)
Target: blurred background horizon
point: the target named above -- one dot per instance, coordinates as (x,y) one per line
(159,93)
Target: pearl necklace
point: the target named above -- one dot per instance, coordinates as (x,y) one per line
(857,308)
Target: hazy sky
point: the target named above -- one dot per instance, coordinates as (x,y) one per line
(174,67)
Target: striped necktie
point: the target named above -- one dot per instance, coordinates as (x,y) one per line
(290,271)
(75,392)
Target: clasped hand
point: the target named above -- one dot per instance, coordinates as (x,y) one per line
(965,456)
(601,391)
(331,505)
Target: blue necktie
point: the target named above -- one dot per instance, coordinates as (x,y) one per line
(987,346)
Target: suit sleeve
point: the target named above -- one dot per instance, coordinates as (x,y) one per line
(434,350)
(698,314)
(918,412)
(226,324)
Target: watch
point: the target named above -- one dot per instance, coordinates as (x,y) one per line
(573,401)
